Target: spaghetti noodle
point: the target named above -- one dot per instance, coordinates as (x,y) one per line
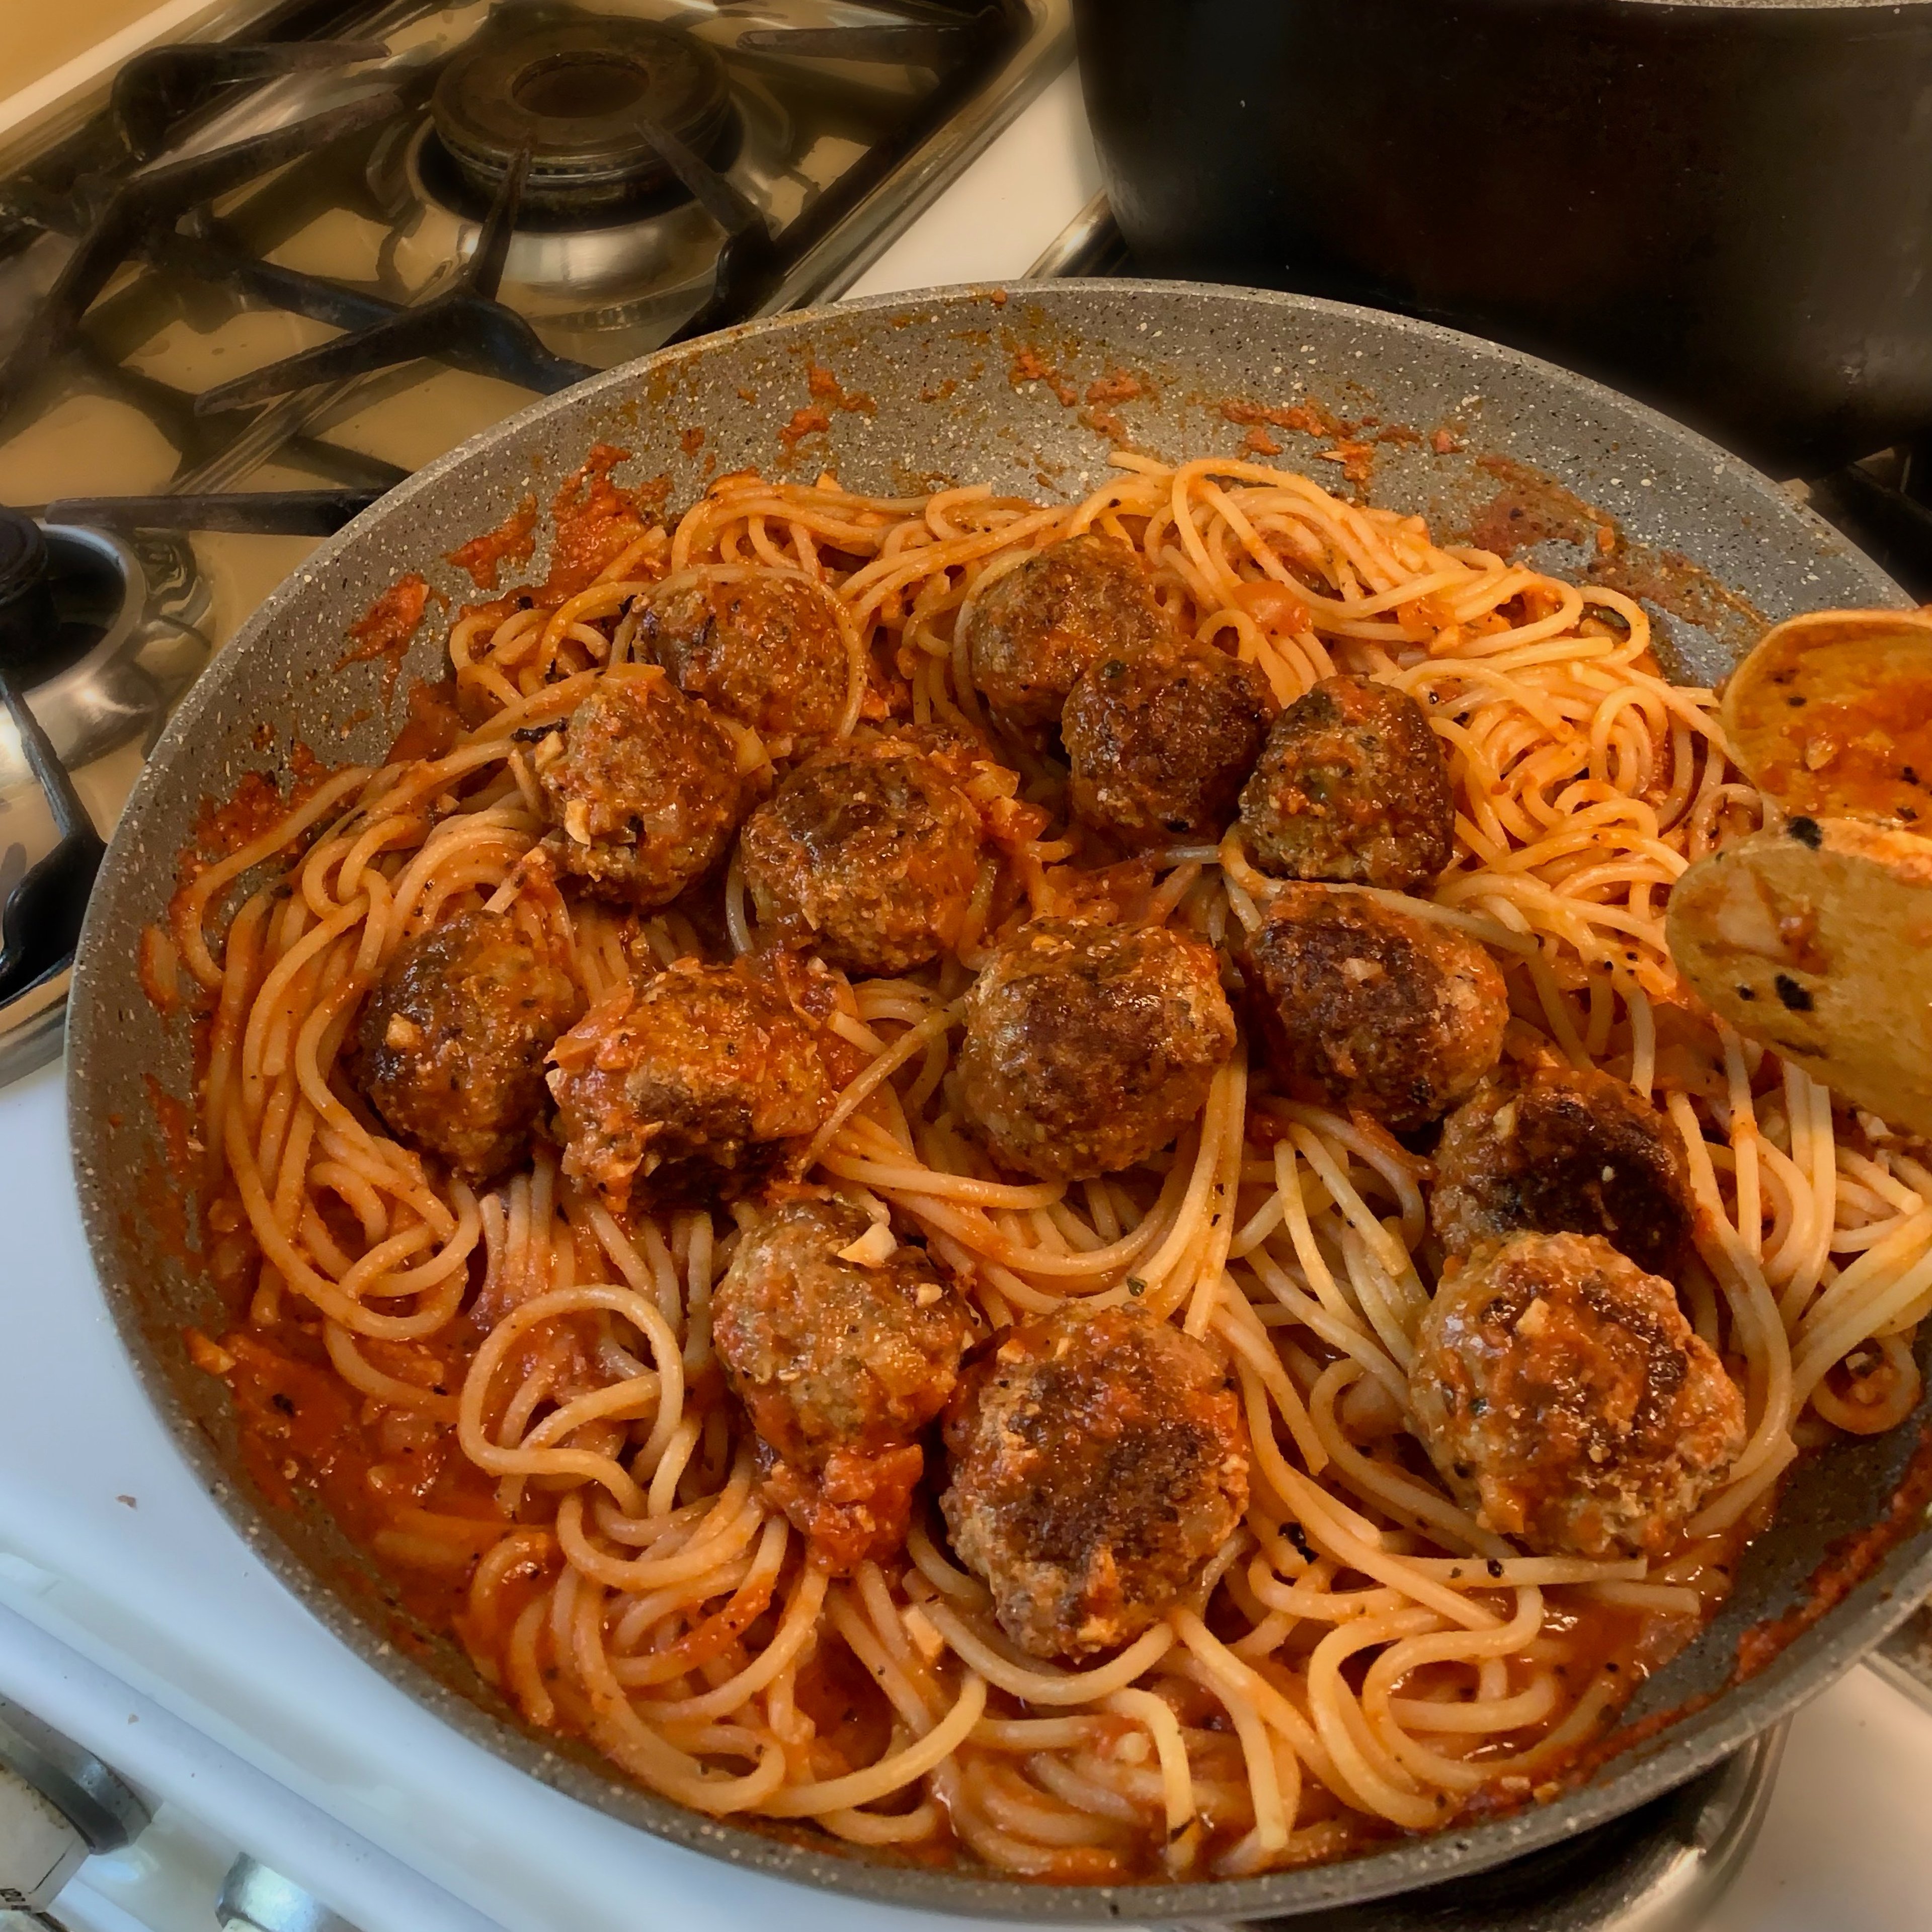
(515,1395)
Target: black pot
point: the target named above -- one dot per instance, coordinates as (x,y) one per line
(1726,208)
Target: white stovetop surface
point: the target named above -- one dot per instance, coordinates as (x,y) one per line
(132,1617)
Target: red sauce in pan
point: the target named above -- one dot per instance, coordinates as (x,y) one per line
(388,627)
(513,541)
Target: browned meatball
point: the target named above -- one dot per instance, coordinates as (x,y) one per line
(646,789)
(1098,1462)
(1563,1396)
(826,1353)
(452,1043)
(867,853)
(1160,740)
(762,645)
(1565,1152)
(694,1086)
(840,1364)
(1361,1005)
(1031,632)
(1088,1047)
(1351,787)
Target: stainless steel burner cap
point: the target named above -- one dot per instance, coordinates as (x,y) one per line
(578,95)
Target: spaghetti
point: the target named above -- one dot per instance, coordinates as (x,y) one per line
(513,1398)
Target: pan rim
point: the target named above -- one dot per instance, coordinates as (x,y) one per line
(1690,1745)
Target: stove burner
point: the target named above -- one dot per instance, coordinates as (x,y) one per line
(41,918)
(102,633)
(87,632)
(579,96)
(28,619)
(465,312)
(72,592)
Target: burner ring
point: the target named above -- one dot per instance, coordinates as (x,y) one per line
(576,94)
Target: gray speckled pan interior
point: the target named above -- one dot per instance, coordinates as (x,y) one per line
(940,373)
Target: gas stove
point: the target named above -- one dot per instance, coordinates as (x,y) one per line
(288,260)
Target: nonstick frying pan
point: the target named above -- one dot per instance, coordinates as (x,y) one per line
(1028,388)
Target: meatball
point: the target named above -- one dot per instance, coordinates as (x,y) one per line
(1088,1047)
(840,1364)
(827,1353)
(868,852)
(1031,632)
(697,1086)
(646,789)
(1563,1396)
(1565,1152)
(1351,787)
(1160,740)
(451,1044)
(1099,1463)
(765,646)
(1361,1006)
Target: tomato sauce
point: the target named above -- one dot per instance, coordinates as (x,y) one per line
(826,388)
(1027,366)
(513,541)
(1835,720)
(434,723)
(388,627)
(1307,419)
(224,826)
(804,423)
(595,521)
(303,1430)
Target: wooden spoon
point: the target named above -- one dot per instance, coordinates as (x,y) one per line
(1814,936)
(1815,939)
(1831,714)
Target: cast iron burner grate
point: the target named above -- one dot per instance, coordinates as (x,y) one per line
(141,220)
(550,116)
